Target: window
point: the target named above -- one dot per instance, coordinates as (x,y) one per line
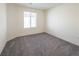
(30,19)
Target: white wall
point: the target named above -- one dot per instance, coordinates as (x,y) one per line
(16,21)
(3,27)
(63,22)
(12,21)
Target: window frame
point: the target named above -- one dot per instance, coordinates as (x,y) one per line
(30,25)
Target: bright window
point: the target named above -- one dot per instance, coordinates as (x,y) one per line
(30,19)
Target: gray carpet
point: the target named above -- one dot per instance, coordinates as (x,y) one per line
(41,44)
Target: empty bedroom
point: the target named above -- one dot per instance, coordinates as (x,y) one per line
(39,29)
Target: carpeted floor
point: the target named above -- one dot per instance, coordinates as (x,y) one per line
(41,44)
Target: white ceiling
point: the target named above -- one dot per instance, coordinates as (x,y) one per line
(40,5)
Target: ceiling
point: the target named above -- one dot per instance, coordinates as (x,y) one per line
(42,6)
